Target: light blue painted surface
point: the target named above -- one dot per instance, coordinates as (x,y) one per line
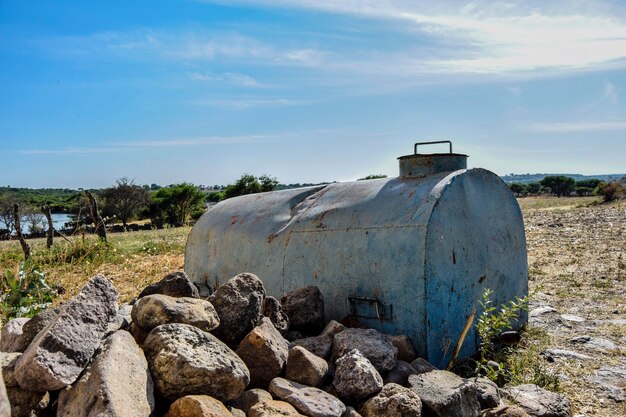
(420,247)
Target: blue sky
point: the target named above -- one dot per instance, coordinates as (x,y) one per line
(305,90)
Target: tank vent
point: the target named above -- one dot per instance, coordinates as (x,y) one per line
(419,165)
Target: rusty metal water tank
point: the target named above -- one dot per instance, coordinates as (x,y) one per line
(408,255)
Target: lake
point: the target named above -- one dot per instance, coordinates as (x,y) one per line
(58,222)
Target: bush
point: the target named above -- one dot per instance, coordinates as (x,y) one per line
(24,294)
(610,191)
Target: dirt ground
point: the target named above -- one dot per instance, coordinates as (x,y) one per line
(577,266)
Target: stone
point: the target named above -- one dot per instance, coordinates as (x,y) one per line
(610,380)
(176,284)
(539,402)
(122,319)
(321,346)
(238,304)
(487,393)
(273,408)
(356,379)
(422,366)
(305,309)
(505,411)
(11,333)
(249,398)
(63,349)
(153,310)
(138,333)
(445,394)
(351,412)
(117,382)
(372,344)
(406,352)
(400,373)
(552,354)
(185,360)
(310,401)
(234,411)
(33,326)
(571,317)
(7,363)
(27,403)
(393,401)
(595,343)
(292,335)
(332,328)
(273,311)
(264,351)
(305,367)
(5,406)
(198,406)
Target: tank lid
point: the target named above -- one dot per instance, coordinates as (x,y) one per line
(419,165)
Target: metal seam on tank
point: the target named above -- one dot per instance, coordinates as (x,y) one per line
(437,192)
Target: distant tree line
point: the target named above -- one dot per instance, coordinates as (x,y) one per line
(564,186)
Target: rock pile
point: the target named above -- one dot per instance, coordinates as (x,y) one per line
(238,353)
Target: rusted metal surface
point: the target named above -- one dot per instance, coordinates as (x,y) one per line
(405,256)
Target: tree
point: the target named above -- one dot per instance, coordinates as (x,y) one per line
(372,177)
(533,188)
(611,191)
(7,216)
(518,188)
(125,200)
(176,203)
(586,187)
(558,185)
(249,184)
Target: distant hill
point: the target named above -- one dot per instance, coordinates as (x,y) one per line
(526,178)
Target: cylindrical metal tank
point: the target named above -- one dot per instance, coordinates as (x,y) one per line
(408,255)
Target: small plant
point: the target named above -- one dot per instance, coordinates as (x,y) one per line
(491,323)
(24,293)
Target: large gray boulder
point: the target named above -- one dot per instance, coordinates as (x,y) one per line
(539,402)
(356,379)
(487,393)
(239,304)
(273,311)
(393,401)
(63,349)
(445,394)
(321,346)
(264,352)
(185,360)
(309,401)
(176,284)
(117,382)
(32,327)
(153,310)
(374,345)
(305,309)
(305,367)
(11,334)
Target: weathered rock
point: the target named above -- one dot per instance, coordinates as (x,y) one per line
(153,310)
(406,352)
(305,367)
(400,373)
(487,393)
(185,360)
(309,401)
(176,284)
(198,406)
(63,349)
(249,398)
(273,311)
(595,343)
(11,334)
(332,328)
(5,406)
(122,319)
(610,380)
(539,402)
(374,345)
(305,308)
(553,354)
(7,363)
(393,401)
(445,394)
(351,412)
(138,333)
(422,366)
(273,408)
(321,346)
(234,411)
(117,382)
(356,378)
(33,326)
(505,411)
(27,403)
(238,304)
(292,335)
(264,352)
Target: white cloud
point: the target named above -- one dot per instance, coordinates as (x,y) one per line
(610,93)
(576,126)
(243,103)
(232,78)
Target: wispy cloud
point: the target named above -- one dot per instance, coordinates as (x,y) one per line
(241,80)
(610,93)
(115,147)
(243,103)
(575,126)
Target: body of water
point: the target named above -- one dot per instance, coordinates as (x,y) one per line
(58,222)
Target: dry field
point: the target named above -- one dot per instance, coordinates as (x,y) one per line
(577,267)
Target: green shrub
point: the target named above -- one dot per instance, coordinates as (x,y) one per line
(24,293)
